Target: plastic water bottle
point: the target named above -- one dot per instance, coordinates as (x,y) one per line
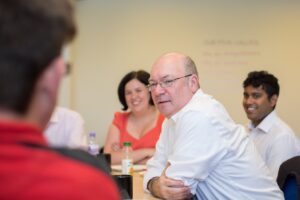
(93,147)
(127,164)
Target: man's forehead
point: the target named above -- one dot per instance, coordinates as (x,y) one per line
(255,89)
(159,77)
(165,71)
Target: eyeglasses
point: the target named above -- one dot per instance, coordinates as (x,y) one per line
(165,83)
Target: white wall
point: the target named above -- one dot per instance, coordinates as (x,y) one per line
(225,40)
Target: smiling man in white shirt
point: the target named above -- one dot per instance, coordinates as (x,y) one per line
(201,152)
(274,139)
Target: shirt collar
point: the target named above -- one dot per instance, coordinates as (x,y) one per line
(20,132)
(266,124)
(175,117)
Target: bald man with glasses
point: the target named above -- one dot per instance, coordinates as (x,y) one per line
(201,153)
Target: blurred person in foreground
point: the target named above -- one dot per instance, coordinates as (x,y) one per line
(275,140)
(201,152)
(140,124)
(66,129)
(32,34)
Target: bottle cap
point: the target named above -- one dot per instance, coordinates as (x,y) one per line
(127,144)
(92,134)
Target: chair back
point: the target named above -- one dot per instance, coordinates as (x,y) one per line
(290,189)
(288,178)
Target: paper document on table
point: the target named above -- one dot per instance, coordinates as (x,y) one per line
(136,168)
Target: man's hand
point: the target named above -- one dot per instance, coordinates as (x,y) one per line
(167,188)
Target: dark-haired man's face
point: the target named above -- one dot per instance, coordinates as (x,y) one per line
(256,103)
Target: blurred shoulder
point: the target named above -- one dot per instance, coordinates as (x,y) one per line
(121,115)
(61,113)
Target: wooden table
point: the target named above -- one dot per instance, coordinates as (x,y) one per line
(138,191)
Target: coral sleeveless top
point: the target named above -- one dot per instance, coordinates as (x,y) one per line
(146,141)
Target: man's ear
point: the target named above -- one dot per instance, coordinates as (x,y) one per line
(273,100)
(52,75)
(194,83)
(45,93)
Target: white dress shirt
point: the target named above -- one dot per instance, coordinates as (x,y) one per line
(211,154)
(275,141)
(66,129)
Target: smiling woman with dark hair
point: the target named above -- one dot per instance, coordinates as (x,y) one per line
(140,124)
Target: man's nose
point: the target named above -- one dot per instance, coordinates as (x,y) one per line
(248,100)
(157,90)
